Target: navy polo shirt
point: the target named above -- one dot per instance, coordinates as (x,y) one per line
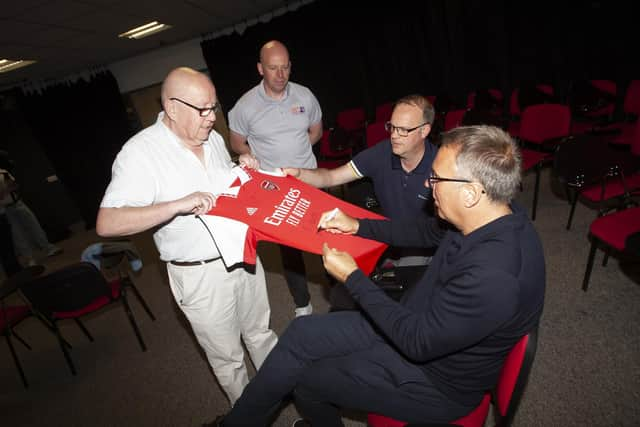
(401,194)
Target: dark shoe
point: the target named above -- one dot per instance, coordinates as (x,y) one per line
(301,422)
(215,423)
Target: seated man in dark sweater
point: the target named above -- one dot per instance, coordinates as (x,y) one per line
(430,357)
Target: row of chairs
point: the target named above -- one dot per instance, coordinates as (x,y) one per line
(68,293)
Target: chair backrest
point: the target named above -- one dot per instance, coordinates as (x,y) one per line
(376,133)
(543,122)
(514,376)
(632,98)
(383,112)
(352,119)
(582,160)
(453,119)
(68,289)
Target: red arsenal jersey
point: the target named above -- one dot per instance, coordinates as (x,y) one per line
(284,210)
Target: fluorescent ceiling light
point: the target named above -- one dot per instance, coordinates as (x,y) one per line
(145,30)
(7,65)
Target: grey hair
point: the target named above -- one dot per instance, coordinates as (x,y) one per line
(428,113)
(488,155)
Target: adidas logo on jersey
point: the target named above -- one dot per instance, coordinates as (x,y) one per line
(251,211)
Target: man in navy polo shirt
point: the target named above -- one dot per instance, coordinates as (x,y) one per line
(398,168)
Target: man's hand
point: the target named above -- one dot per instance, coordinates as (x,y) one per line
(337,263)
(337,222)
(249,161)
(294,172)
(198,203)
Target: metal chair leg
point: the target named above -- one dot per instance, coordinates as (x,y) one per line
(574,202)
(587,273)
(535,192)
(63,346)
(19,338)
(129,282)
(85,330)
(132,320)
(16,360)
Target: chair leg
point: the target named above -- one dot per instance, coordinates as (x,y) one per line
(19,338)
(85,330)
(535,193)
(16,360)
(63,346)
(132,320)
(49,325)
(574,202)
(587,273)
(607,252)
(129,282)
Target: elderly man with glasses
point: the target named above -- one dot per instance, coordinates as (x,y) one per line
(431,357)
(162,179)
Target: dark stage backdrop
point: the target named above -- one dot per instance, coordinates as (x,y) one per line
(81,127)
(352,56)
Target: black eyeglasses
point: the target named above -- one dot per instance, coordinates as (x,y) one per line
(204,111)
(433,178)
(401,131)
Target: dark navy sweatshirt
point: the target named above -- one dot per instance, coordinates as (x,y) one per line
(480,294)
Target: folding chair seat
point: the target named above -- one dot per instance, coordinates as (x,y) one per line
(72,292)
(523,97)
(506,394)
(334,149)
(611,231)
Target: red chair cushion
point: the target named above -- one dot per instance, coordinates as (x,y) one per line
(94,305)
(531,158)
(614,188)
(475,418)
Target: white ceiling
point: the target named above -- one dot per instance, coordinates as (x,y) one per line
(69,36)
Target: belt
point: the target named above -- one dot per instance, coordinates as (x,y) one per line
(193,263)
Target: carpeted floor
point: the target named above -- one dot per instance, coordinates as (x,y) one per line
(586,372)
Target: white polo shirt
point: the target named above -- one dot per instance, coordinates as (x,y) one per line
(153,167)
(278,130)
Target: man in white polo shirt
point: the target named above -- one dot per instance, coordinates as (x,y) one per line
(162,178)
(277,122)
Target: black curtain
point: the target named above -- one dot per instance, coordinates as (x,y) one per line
(352,56)
(81,127)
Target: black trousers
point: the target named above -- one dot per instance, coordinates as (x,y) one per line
(295,274)
(337,360)
(7,253)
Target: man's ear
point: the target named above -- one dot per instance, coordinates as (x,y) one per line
(260,70)
(169,109)
(471,195)
(425,130)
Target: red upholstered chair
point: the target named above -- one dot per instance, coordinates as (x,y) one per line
(453,119)
(376,133)
(10,316)
(611,231)
(75,291)
(589,169)
(330,157)
(383,112)
(506,395)
(544,124)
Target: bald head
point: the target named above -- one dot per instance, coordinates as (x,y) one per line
(184,82)
(273,48)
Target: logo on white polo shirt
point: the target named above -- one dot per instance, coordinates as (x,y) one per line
(298,109)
